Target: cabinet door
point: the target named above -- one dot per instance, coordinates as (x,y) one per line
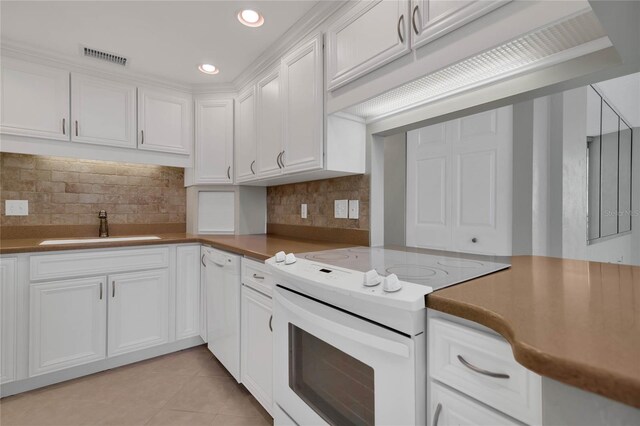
(431,19)
(269,117)
(8,318)
(187,292)
(449,408)
(164,121)
(103,112)
(257,346)
(370,35)
(214,141)
(138,311)
(67,325)
(246,148)
(35,100)
(303,98)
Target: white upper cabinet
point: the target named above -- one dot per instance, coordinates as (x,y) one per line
(245,142)
(270,122)
(213,141)
(371,34)
(431,19)
(103,111)
(35,100)
(303,100)
(164,121)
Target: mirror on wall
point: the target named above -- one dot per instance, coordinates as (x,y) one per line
(609,165)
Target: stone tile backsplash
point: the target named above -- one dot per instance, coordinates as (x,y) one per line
(283,202)
(65,191)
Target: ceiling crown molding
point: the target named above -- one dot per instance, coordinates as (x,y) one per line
(303,28)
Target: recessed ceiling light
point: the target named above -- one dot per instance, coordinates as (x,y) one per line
(250,18)
(208,69)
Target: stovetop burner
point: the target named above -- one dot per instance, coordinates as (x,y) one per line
(437,270)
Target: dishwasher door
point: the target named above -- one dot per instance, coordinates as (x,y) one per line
(222,277)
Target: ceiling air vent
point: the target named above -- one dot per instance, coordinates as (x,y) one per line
(104,56)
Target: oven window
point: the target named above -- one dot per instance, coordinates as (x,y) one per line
(334,384)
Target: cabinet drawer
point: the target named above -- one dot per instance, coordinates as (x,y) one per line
(256,276)
(482,366)
(447,407)
(91,262)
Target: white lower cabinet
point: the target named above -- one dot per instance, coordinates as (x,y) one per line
(138,311)
(67,325)
(449,408)
(8,319)
(188,292)
(257,346)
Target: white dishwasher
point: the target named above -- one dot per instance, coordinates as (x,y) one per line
(223,307)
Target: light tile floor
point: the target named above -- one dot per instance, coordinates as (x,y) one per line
(189,387)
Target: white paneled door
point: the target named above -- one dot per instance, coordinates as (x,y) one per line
(103,111)
(459,184)
(270,123)
(138,310)
(303,100)
(35,100)
(67,324)
(187,291)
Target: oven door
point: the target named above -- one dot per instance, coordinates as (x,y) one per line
(331,367)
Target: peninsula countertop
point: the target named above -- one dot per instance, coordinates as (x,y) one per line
(574,321)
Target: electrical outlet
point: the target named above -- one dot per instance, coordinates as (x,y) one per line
(354,209)
(303,211)
(341,209)
(16,208)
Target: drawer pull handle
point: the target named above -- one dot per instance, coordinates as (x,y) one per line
(480,370)
(202,261)
(436,415)
(258,277)
(270,323)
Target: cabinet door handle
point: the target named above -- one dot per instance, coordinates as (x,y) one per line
(229,172)
(480,370)
(100,291)
(282,159)
(76,127)
(400,22)
(413,20)
(202,261)
(258,277)
(436,415)
(278,160)
(271,323)
(141,137)
(113,289)
(64,126)
(474,240)
(251,166)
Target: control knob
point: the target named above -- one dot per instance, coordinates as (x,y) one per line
(371,278)
(391,283)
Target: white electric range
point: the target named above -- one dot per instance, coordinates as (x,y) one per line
(349,332)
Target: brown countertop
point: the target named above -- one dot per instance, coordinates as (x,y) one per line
(573,321)
(259,246)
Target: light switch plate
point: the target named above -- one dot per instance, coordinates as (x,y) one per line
(16,208)
(303,211)
(341,209)
(354,209)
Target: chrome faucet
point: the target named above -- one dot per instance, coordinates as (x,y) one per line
(104,225)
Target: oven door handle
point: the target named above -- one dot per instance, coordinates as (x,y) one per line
(376,342)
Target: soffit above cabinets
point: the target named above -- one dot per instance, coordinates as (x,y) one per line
(572,37)
(167,39)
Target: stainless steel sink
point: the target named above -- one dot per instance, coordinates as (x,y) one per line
(97,240)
